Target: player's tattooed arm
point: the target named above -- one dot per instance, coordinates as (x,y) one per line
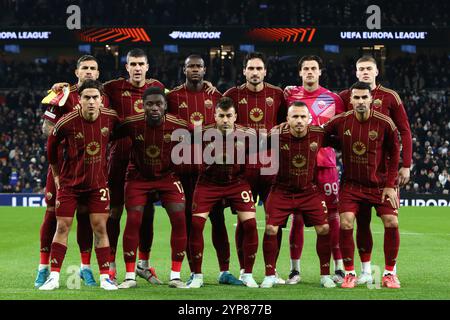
(47,128)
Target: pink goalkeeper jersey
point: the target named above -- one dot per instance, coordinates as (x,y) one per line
(323,105)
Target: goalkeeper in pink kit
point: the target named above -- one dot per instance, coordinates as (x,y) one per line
(323,105)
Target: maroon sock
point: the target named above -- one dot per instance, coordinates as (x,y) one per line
(113,229)
(333,221)
(57,254)
(296,237)
(239,238)
(131,235)
(391,246)
(146,232)
(364,241)
(84,233)
(279,239)
(323,249)
(250,245)
(220,238)
(47,232)
(103,259)
(196,243)
(347,248)
(270,248)
(178,238)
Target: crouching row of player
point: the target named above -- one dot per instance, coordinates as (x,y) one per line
(367,138)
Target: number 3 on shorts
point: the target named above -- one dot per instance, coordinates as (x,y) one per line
(105,194)
(324,205)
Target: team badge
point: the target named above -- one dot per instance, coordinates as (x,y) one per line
(196,118)
(269,101)
(208,103)
(49,195)
(313,146)
(104,131)
(167,137)
(256,114)
(377,103)
(152,151)
(359,148)
(138,106)
(373,135)
(93,148)
(299,161)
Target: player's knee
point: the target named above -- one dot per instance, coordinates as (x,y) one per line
(323,229)
(390,221)
(271,230)
(175,207)
(63,228)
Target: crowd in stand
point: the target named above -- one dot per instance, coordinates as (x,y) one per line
(208,12)
(422,83)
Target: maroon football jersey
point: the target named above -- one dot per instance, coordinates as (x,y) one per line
(84,164)
(366,146)
(151,146)
(297,158)
(233,171)
(126,99)
(258,110)
(388,102)
(192,106)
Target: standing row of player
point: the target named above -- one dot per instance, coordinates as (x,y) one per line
(257,105)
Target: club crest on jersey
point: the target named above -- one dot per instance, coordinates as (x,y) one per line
(167,137)
(269,101)
(299,161)
(49,195)
(314,146)
(196,118)
(105,131)
(208,103)
(359,148)
(138,106)
(373,135)
(377,103)
(93,148)
(152,151)
(256,114)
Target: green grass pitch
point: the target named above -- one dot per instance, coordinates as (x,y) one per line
(423,263)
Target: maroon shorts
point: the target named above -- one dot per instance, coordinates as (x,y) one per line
(117,169)
(238,195)
(169,189)
(328,182)
(310,204)
(259,184)
(50,189)
(95,201)
(351,200)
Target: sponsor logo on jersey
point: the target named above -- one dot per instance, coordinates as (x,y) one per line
(313,146)
(256,114)
(377,103)
(269,101)
(152,151)
(126,93)
(347,132)
(138,106)
(79,136)
(299,161)
(167,137)
(105,131)
(373,135)
(359,148)
(243,101)
(93,148)
(183,106)
(196,118)
(208,103)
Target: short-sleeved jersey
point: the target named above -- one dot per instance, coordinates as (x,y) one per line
(388,102)
(84,164)
(151,146)
(192,106)
(126,99)
(370,150)
(258,110)
(297,158)
(323,105)
(231,167)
